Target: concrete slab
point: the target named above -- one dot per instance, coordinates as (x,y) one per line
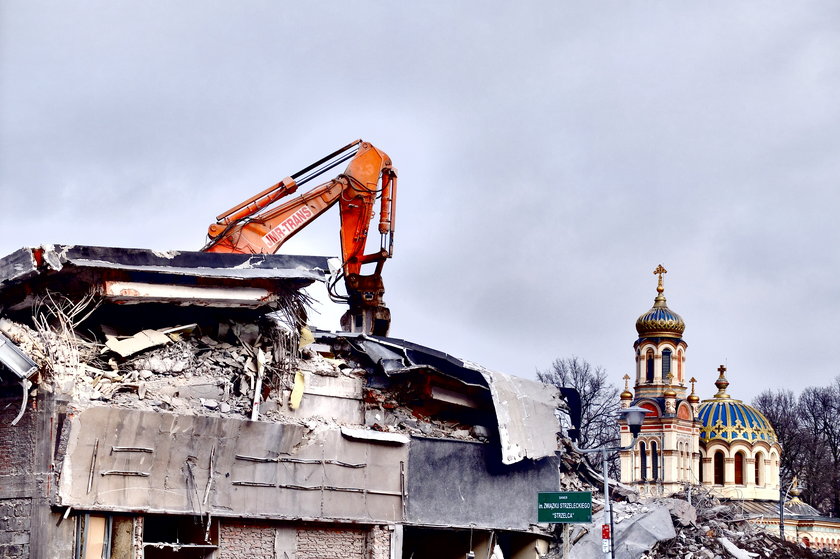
(139,275)
(132,460)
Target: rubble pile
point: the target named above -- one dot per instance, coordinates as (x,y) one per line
(577,475)
(392,411)
(714,530)
(258,370)
(671,527)
(704,528)
(176,368)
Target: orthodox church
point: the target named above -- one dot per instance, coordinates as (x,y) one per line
(720,443)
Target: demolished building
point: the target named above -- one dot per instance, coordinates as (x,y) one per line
(175,405)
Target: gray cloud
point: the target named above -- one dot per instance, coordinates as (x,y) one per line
(550,156)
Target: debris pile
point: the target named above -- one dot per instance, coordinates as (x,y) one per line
(403,411)
(712,529)
(654,528)
(705,529)
(266,368)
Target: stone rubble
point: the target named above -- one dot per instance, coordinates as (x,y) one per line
(216,374)
(705,529)
(710,529)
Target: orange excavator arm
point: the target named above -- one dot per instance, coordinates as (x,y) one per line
(257,226)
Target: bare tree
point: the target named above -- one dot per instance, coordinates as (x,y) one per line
(781,408)
(598,398)
(820,411)
(808,428)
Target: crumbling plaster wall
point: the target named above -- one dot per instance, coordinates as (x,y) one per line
(17,488)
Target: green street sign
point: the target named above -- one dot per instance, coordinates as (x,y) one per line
(573,507)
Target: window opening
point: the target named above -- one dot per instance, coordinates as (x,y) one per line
(654,460)
(666,362)
(643,460)
(718,468)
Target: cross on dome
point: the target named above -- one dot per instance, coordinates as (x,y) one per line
(659,271)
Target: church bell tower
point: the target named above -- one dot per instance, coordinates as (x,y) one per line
(665,455)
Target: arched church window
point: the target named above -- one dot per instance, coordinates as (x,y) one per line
(759,469)
(666,362)
(649,366)
(739,468)
(717,467)
(654,461)
(643,461)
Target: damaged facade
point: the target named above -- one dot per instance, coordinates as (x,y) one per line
(178,407)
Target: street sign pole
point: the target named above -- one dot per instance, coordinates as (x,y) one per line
(606,537)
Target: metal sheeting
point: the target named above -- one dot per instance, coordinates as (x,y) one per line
(525,411)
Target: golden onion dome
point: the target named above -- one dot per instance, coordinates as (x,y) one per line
(660,321)
(626,395)
(693,398)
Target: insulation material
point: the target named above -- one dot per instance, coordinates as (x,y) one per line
(297,391)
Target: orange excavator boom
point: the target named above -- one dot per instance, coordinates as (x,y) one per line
(259,225)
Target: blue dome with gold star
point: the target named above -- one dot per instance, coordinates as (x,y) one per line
(723,418)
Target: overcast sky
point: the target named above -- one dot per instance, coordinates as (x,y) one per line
(550,154)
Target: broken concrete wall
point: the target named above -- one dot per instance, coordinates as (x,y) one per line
(466,484)
(332,395)
(124,460)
